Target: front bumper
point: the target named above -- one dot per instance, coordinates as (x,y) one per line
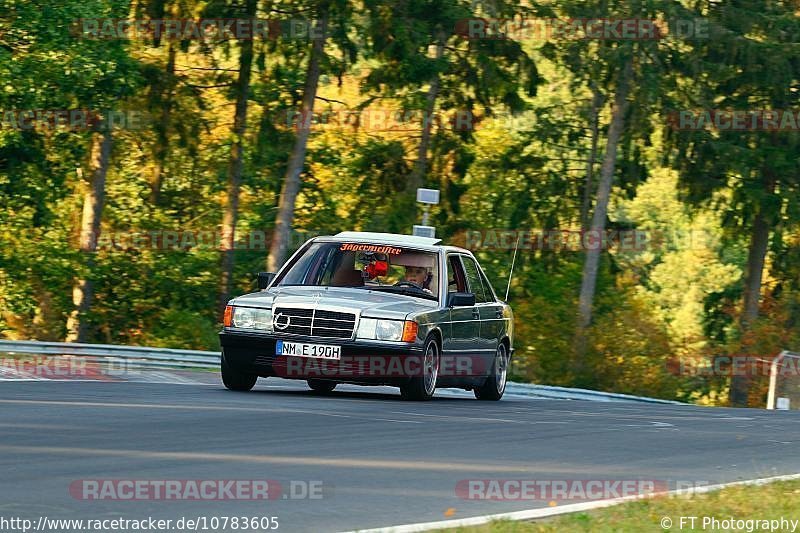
(362,362)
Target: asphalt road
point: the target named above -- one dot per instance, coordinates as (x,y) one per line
(381,461)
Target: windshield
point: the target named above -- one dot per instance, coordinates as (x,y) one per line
(369,266)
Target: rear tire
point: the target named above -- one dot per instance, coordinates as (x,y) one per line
(421,388)
(495,385)
(321,385)
(234,379)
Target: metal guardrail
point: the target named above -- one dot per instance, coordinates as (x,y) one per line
(569,393)
(163,355)
(197,358)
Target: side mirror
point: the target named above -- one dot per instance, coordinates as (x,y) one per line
(264,279)
(460,299)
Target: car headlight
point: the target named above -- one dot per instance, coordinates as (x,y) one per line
(386,330)
(366,328)
(248,318)
(264,319)
(389,330)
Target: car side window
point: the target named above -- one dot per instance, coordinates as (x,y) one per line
(474,279)
(456,281)
(490,295)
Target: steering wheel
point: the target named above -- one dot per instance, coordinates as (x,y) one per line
(405,283)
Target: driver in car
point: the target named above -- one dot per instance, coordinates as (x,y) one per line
(418,276)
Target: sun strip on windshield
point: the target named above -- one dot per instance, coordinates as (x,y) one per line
(352,247)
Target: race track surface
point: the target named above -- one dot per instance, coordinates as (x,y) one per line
(380,461)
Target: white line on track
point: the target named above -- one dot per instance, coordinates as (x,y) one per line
(545,512)
(475,418)
(705,416)
(111,379)
(336,462)
(264,409)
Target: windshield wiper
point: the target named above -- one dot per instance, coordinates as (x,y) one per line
(405,290)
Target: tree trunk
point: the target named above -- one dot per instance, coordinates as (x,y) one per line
(162,135)
(291,181)
(756,257)
(417,177)
(83,290)
(589,279)
(594,128)
(235,164)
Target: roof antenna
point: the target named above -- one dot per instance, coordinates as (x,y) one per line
(516,247)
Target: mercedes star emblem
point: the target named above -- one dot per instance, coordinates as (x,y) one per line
(281,321)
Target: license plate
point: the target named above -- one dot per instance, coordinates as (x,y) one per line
(299,349)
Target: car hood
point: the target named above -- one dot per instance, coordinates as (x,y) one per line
(368,303)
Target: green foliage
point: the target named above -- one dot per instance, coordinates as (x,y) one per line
(539,113)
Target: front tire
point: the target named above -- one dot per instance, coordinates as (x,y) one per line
(495,385)
(421,388)
(321,385)
(235,380)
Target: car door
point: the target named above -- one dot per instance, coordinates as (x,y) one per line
(488,310)
(491,311)
(464,321)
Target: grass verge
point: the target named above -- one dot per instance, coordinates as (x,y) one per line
(772,502)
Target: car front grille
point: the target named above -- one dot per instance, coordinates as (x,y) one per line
(317,322)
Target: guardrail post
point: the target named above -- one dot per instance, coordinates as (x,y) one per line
(773,379)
